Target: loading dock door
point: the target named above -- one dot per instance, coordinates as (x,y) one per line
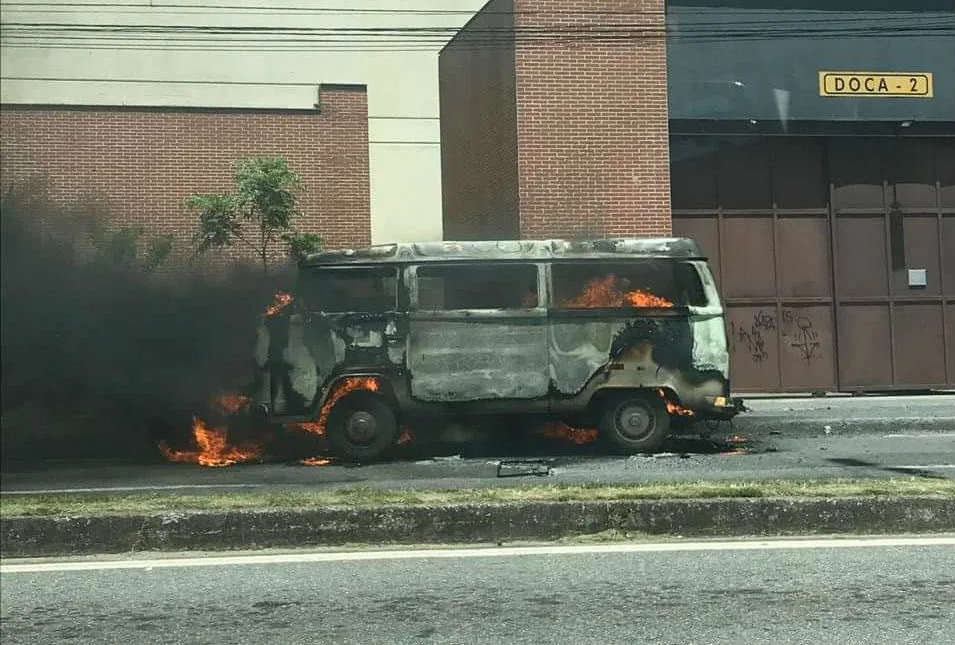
(820,247)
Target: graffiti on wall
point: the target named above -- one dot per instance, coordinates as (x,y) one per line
(801,336)
(797,330)
(749,338)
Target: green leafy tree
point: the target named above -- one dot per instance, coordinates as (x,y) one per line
(120,249)
(258,215)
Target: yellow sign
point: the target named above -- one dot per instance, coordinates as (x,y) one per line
(918,84)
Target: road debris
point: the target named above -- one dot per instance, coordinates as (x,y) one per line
(660,455)
(524,467)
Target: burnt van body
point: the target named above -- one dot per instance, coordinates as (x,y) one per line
(620,334)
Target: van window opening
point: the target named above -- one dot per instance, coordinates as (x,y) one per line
(477,286)
(626,285)
(359,289)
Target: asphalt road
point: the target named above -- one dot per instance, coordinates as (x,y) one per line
(798,438)
(759,454)
(823,592)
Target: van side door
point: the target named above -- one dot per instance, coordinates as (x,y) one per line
(477,331)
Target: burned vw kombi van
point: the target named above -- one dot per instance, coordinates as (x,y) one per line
(613,334)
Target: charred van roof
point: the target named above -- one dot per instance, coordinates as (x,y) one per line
(679,248)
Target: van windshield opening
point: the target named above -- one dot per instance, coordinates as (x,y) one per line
(349,289)
(644,284)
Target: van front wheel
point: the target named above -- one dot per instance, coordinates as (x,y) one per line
(632,422)
(361,427)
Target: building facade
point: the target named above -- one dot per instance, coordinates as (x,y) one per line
(808,146)
(137,166)
(547,133)
(237,63)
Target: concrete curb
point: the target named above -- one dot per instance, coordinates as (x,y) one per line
(471,523)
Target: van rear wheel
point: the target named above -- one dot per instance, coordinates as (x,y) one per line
(633,422)
(361,427)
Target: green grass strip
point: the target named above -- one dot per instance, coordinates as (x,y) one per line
(138,503)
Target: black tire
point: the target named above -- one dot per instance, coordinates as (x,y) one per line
(362,427)
(633,422)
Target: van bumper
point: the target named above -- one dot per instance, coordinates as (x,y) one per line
(721,407)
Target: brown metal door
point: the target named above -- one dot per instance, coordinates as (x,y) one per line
(759,208)
(893,227)
(809,235)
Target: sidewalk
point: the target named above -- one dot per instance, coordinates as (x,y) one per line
(798,415)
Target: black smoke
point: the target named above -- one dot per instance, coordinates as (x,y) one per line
(103,357)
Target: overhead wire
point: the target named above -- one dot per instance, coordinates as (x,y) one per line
(599,27)
(419,39)
(153,7)
(127,36)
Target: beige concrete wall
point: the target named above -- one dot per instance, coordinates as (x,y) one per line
(404,154)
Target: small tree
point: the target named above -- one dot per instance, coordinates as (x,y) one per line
(259,214)
(121,249)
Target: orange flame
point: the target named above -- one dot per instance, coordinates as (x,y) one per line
(231,403)
(611,291)
(309,426)
(282,300)
(560,430)
(316,461)
(641,298)
(213,449)
(345,386)
(674,408)
(739,442)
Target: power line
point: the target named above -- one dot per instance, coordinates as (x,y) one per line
(586,28)
(108,7)
(49,7)
(391,35)
(347,47)
(867,23)
(192,37)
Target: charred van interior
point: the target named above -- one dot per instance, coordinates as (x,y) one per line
(608,338)
(357,290)
(477,286)
(634,284)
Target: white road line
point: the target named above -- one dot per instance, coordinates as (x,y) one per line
(484,552)
(924,435)
(121,489)
(928,467)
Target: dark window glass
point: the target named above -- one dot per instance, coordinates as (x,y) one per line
(626,285)
(362,290)
(477,286)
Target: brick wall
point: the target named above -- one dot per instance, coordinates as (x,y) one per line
(592,119)
(479,128)
(138,165)
(592,130)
